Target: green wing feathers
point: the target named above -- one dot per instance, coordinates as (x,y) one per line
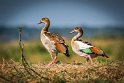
(87,50)
(94,50)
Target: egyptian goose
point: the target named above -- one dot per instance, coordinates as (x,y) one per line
(84,49)
(54,43)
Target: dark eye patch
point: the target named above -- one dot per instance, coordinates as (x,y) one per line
(43,18)
(76,28)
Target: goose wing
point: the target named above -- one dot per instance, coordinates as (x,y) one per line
(82,45)
(89,48)
(55,37)
(94,49)
(58,42)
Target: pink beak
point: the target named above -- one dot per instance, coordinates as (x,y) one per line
(40,22)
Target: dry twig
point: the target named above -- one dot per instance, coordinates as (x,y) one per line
(24,62)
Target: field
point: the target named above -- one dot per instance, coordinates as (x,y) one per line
(72,69)
(36,53)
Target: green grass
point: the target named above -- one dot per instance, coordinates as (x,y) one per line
(35,52)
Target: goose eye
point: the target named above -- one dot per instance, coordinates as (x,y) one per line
(43,18)
(76,28)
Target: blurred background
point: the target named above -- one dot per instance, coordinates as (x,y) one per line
(101,20)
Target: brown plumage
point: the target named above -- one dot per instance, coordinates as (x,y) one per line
(54,43)
(98,51)
(60,45)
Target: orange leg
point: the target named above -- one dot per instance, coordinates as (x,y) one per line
(89,58)
(53,59)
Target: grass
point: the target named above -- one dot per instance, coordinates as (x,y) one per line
(62,73)
(36,53)
(73,69)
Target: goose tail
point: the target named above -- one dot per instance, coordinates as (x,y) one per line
(104,55)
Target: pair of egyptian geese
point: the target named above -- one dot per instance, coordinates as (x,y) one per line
(54,43)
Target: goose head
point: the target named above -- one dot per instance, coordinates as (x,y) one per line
(44,20)
(77,30)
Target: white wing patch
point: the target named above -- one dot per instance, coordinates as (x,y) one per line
(82,45)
